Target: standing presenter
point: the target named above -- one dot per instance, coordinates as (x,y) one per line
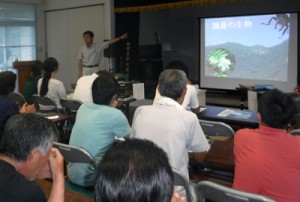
(90,54)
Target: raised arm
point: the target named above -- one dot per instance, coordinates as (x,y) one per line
(194,102)
(199,156)
(114,40)
(56,162)
(26,108)
(198,142)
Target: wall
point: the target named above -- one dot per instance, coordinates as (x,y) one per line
(180,26)
(65,4)
(66,47)
(154,22)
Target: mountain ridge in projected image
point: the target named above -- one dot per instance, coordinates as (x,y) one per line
(258,61)
(249,50)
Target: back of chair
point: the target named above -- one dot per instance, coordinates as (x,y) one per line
(295,132)
(45,101)
(215,128)
(180,180)
(134,105)
(18,98)
(211,191)
(75,154)
(70,105)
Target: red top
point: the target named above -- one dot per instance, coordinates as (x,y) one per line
(267,162)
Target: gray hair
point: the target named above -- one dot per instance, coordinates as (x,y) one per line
(172,83)
(25,132)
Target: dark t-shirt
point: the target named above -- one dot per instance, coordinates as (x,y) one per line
(8,108)
(30,88)
(15,187)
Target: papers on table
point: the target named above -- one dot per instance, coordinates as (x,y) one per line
(236,114)
(52,117)
(202,109)
(48,115)
(252,101)
(138,91)
(119,138)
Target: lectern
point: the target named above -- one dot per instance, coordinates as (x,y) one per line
(23,71)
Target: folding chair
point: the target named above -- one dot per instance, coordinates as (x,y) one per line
(42,102)
(210,191)
(295,132)
(70,106)
(75,154)
(180,180)
(215,128)
(134,105)
(18,98)
(212,129)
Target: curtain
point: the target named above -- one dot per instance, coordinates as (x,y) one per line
(151,5)
(127,50)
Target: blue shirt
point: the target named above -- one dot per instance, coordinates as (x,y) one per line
(95,129)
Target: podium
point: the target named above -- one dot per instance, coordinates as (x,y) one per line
(23,71)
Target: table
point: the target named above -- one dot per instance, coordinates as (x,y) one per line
(218,165)
(236,122)
(60,122)
(221,155)
(55,117)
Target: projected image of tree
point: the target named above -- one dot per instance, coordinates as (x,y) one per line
(221,62)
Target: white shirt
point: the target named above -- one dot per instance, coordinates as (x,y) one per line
(83,90)
(92,55)
(56,91)
(190,99)
(172,128)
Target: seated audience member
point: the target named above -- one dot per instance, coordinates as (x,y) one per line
(170,126)
(30,87)
(49,86)
(134,170)
(9,107)
(83,89)
(96,126)
(190,101)
(267,159)
(25,155)
(295,123)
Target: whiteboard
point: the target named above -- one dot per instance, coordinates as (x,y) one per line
(64,29)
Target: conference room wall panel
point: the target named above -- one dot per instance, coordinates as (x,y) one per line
(64,28)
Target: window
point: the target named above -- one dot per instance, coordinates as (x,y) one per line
(17,33)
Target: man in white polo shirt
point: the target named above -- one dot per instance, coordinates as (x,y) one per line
(190,101)
(83,89)
(169,125)
(90,54)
